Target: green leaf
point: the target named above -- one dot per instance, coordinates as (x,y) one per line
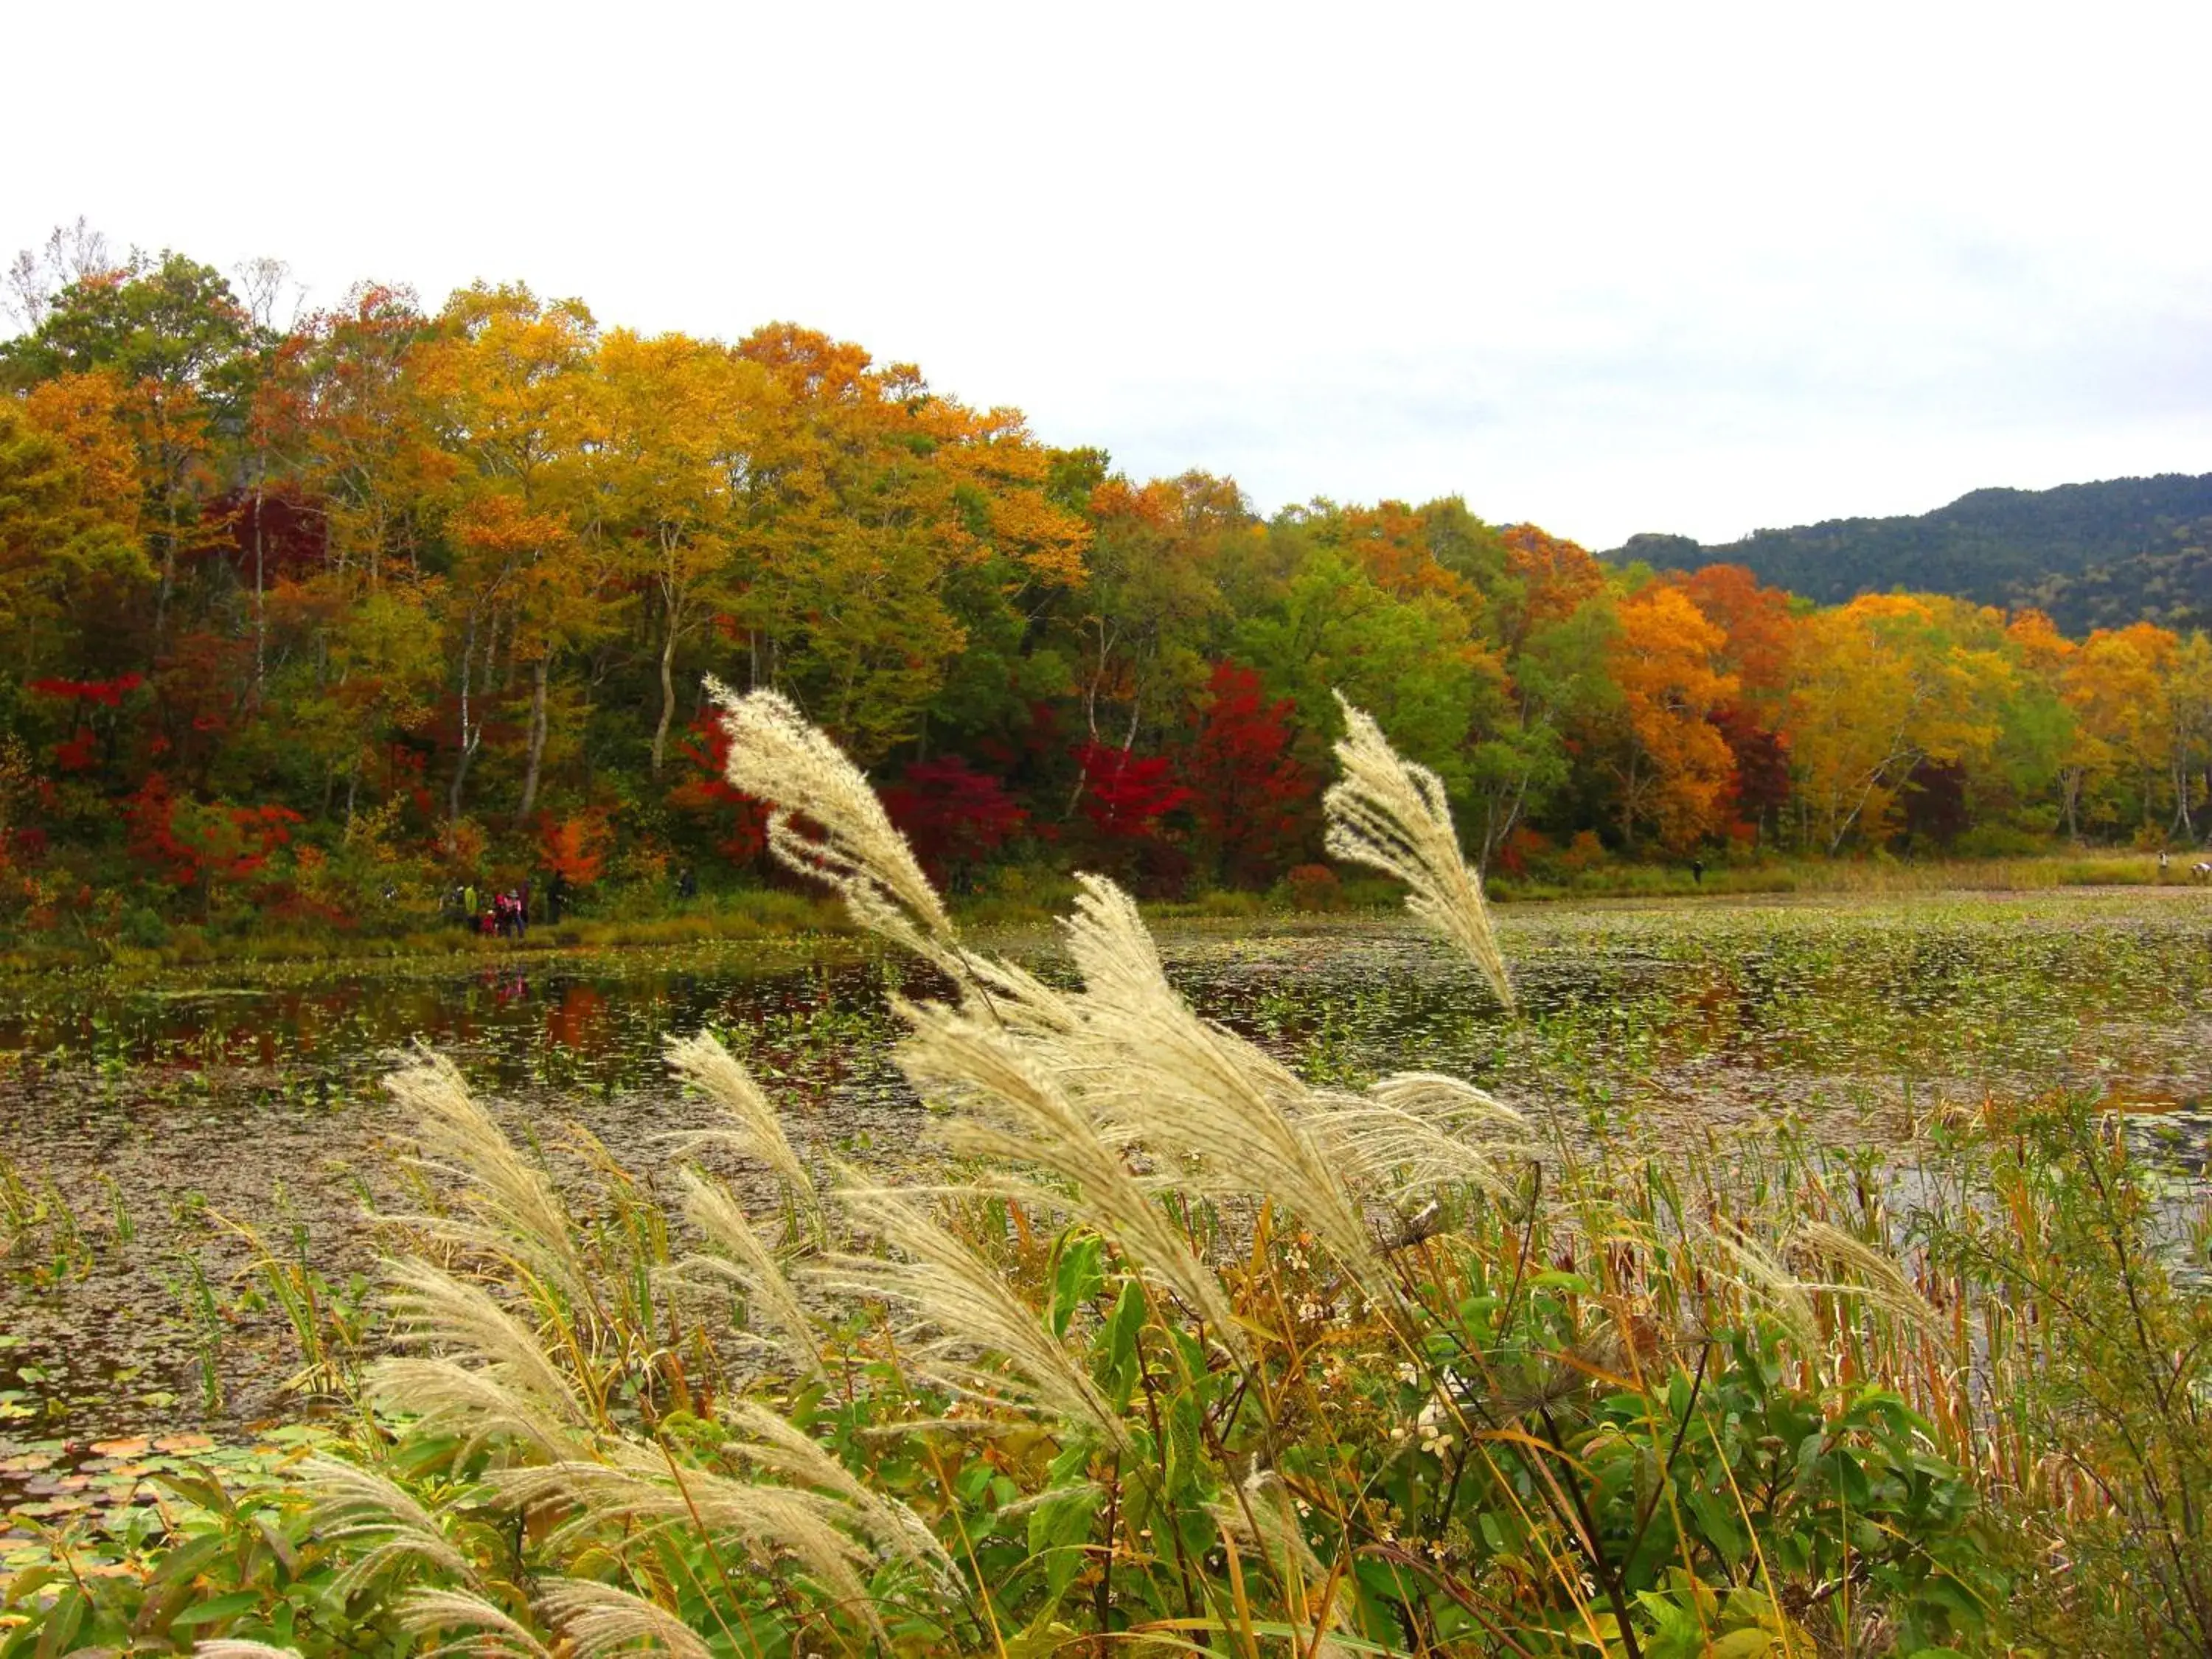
(1719,1526)
(1076,1276)
(179,1564)
(215,1611)
(1742,1644)
(1119,1370)
(1058,1528)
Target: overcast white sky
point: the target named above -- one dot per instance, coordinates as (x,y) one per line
(1684,268)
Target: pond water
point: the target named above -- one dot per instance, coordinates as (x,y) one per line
(146,1127)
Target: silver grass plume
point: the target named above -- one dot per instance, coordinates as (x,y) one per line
(1412,1130)
(513,1378)
(1008,1111)
(1016,998)
(702,1061)
(636,1487)
(967,1301)
(1881,1281)
(520,1213)
(497,1632)
(472,1406)
(775,1443)
(1152,1070)
(595,1618)
(1262,1515)
(744,1259)
(352,1504)
(1767,1281)
(1390,814)
(1444,1101)
(848,840)
(1391,1154)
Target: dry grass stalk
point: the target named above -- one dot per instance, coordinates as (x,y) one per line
(1444,1101)
(431,1309)
(521,1216)
(1261,1516)
(1767,1281)
(827,823)
(1391,814)
(472,1406)
(1009,1111)
(596,1618)
(637,1486)
(1881,1281)
(773,1444)
(966,1301)
(745,1259)
(422,1612)
(1387,1153)
(703,1062)
(354,1506)
(1151,1070)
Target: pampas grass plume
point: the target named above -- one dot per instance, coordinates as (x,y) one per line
(702,1061)
(826,821)
(1390,814)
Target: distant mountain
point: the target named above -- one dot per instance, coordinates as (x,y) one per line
(2092,555)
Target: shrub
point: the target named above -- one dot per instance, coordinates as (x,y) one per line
(1313,887)
(1585,852)
(1999,841)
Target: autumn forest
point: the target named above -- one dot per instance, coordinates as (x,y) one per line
(315,618)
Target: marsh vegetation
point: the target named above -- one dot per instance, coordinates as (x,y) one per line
(1778,1278)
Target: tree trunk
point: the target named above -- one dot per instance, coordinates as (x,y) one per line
(168,577)
(469,739)
(539,672)
(260,609)
(668,696)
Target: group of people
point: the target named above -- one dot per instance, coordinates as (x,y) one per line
(506,914)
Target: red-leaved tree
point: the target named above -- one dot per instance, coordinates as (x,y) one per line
(955,816)
(1760,788)
(81,751)
(737,822)
(574,847)
(1125,796)
(1253,801)
(211,848)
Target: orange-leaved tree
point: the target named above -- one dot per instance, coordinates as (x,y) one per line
(1670,763)
(574,847)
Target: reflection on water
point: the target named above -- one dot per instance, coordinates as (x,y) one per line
(176,1109)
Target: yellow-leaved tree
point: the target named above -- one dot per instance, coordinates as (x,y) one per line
(1883,684)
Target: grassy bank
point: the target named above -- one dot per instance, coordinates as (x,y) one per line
(618,922)
(1884,875)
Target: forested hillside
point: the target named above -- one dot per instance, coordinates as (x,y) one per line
(2091,555)
(311,623)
